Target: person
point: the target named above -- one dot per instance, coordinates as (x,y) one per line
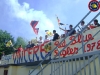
(32,44)
(29,45)
(20,48)
(40,41)
(63,35)
(83,26)
(56,36)
(91,26)
(96,23)
(68,31)
(46,38)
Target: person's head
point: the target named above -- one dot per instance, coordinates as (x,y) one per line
(46,36)
(82,23)
(95,21)
(40,38)
(54,31)
(71,26)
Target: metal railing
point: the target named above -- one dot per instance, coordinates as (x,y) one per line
(55,69)
(71,67)
(60,42)
(68,43)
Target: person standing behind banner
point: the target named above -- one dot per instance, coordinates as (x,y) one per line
(40,41)
(29,45)
(46,38)
(32,44)
(20,48)
(56,36)
(83,26)
(96,23)
(68,31)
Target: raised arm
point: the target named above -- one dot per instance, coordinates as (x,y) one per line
(62,29)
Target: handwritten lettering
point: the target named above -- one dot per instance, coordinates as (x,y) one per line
(80,38)
(56,43)
(38,52)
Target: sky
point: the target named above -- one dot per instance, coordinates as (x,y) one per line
(16,15)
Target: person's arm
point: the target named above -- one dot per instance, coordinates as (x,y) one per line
(53,38)
(62,29)
(98,25)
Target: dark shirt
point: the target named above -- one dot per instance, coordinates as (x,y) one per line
(73,32)
(28,46)
(97,24)
(32,45)
(55,37)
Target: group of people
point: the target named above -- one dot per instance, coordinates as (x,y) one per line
(91,26)
(56,36)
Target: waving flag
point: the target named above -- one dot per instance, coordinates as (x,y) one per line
(59,23)
(36,30)
(46,30)
(33,24)
(48,33)
(9,43)
(58,19)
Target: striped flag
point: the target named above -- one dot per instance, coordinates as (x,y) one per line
(33,24)
(36,30)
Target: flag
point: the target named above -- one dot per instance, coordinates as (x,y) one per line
(9,43)
(47,47)
(46,30)
(48,33)
(36,30)
(58,19)
(61,24)
(33,24)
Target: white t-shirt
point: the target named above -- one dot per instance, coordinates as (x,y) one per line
(46,40)
(84,27)
(40,42)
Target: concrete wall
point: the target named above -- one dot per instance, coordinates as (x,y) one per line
(22,70)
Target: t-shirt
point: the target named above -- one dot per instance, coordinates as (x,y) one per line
(28,46)
(73,32)
(84,27)
(40,42)
(46,40)
(20,49)
(97,24)
(55,37)
(32,45)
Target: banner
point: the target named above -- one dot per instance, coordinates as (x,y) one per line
(38,53)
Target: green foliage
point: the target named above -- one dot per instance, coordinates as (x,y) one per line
(20,41)
(4,37)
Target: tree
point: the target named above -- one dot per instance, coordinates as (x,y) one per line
(20,41)
(4,37)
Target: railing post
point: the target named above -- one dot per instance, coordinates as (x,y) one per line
(82,42)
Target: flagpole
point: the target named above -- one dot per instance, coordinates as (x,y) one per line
(57,20)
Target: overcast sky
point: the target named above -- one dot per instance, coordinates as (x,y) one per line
(16,15)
